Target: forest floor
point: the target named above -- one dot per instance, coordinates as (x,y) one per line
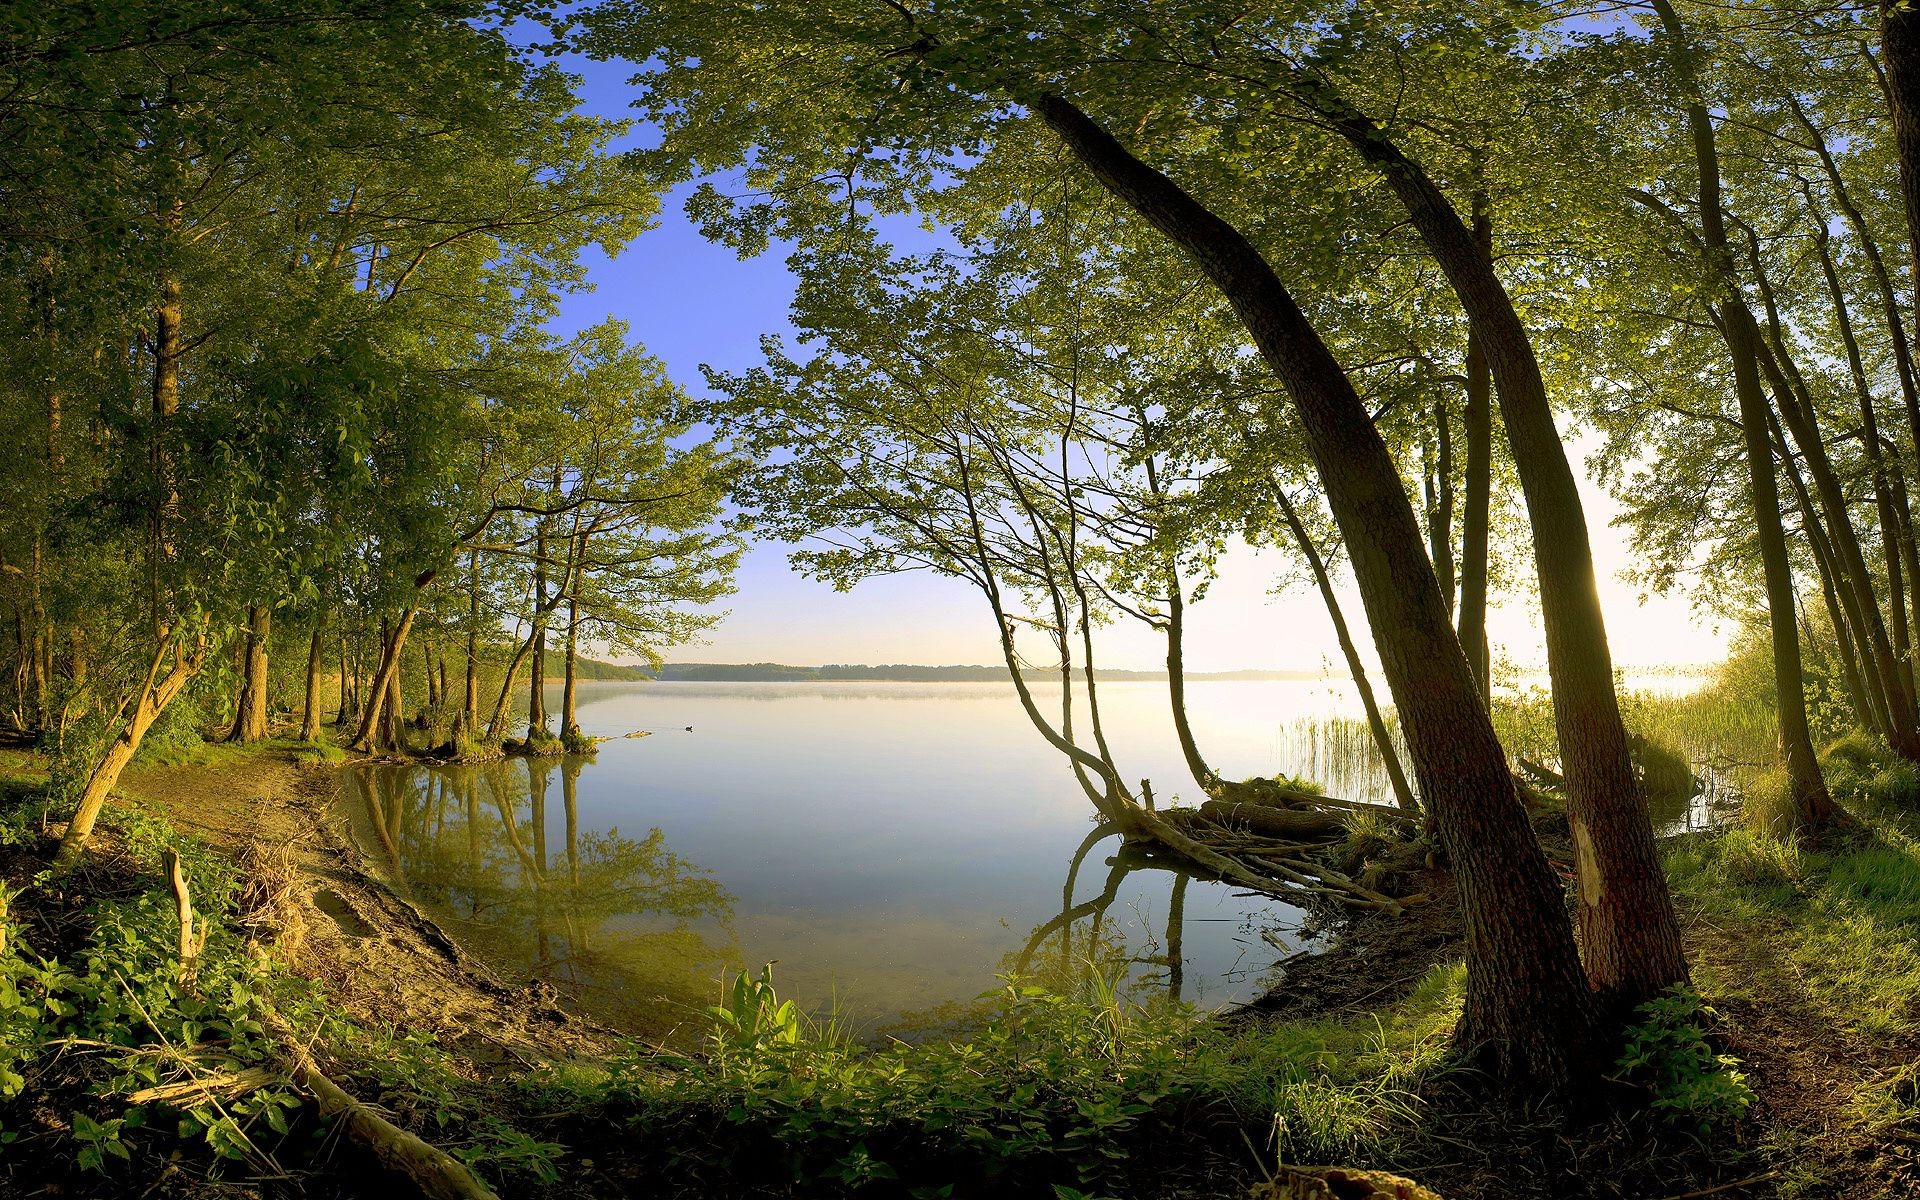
(1809,959)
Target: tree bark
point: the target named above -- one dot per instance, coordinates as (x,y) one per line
(310,712)
(1900,51)
(156,692)
(1527,1006)
(1892,520)
(1176,635)
(505,698)
(569,726)
(1629,933)
(1476,520)
(250,709)
(1440,507)
(1812,805)
(373,733)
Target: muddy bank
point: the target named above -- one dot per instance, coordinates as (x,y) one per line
(343,925)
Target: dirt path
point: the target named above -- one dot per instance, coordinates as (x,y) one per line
(375,952)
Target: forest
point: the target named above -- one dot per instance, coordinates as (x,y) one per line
(322,520)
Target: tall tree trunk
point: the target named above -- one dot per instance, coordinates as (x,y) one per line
(1795,404)
(1885,501)
(1870,714)
(1389,754)
(1176,635)
(1882,278)
(393,720)
(497,723)
(569,725)
(1811,803)
(1629,933)
(1900,50)
(537,699)
(1527,1005)
(156,691)
(1440,507)
(470,702)
(375,730)
(250,709)
(310,712)
(1477,518)
(345,715)
(1854,580)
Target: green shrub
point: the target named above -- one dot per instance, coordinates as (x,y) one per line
(1668,1051)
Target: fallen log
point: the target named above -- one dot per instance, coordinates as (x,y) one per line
(433,1172)
(1275,821)
(1264,791)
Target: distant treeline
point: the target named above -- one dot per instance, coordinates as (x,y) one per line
(895,672)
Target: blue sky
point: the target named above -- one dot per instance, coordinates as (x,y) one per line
(692,303)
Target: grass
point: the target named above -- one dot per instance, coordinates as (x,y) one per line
(1068,1088)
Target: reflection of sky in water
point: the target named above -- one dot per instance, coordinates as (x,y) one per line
(891,845)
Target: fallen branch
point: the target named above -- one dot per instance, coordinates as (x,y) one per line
(436,1174)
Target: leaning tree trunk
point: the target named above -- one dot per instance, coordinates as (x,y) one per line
(156,692)
(497,723)
(1630,935)
(1527,1004)
(310,712)
(373,734)
(1440,506)
(250,710)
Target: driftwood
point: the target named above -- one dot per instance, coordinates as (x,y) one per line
(433,1172)
(1340,1183)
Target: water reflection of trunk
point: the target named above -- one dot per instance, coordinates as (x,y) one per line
(1176,927)
(570,798)
(470,793)
(538,773)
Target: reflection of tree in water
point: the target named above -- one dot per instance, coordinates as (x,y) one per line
(611,919)
(1083,939)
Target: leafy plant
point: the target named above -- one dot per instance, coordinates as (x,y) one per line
(1669,1051)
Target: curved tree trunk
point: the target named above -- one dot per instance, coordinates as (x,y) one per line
(1176,634)
(1630,937)
(376,719)
(496,725)
(1527,1003)
(1900,51)
(156,692)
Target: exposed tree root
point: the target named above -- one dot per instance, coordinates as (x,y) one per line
(1275,840)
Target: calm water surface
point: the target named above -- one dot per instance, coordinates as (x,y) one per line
(891,847)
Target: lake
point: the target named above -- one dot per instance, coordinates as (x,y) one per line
(891,847)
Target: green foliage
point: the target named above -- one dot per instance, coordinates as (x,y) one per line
(1669,1051)
(1061,1088)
